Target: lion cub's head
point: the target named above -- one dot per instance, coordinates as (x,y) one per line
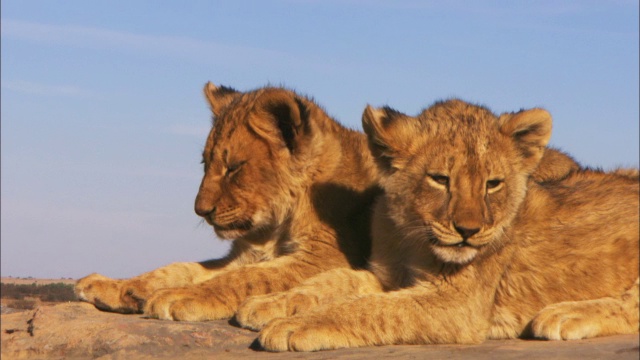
(456,174)
(249,180)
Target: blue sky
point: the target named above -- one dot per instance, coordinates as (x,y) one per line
(103,119)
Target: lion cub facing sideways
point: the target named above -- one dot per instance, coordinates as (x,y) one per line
(467,247)
(287,183)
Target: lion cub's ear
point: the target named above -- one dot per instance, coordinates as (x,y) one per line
(218,97)
(531,131)
(281,118)
(390,135)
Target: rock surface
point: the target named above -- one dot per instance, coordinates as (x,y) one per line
(78,330)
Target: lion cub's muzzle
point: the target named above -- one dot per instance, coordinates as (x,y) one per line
(228,223)
(203,208)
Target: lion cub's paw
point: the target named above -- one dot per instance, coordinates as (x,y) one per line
(573,320)
(187,304)
(303,333)
(135,293)
(257,311)
(104,293)
(122,296)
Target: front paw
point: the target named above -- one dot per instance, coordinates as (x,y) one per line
(257,311)
(187,304)
(567,321)
(303,333)
(104,293)
(135,293)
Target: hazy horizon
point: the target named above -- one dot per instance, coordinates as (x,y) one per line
(103,118)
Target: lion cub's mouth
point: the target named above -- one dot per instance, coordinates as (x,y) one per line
(232,230)
(458,245)
(461,252)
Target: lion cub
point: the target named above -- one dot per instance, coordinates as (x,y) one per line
(467,246)
(289,185)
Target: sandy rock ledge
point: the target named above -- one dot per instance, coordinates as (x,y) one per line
(79,331)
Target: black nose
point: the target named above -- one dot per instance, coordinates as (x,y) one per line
(466,232)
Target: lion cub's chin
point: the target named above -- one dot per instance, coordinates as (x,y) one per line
(230,234)
(455,254)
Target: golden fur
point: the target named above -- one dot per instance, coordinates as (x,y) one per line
(338,284)
(290,186)
(468,246)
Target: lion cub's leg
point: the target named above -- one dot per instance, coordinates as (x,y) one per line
(104,293)
(128,296)
(573,320)
(255,312)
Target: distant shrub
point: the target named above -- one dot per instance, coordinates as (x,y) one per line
(57,292)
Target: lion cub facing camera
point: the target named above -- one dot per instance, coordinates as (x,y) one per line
(289,185)
(467,246)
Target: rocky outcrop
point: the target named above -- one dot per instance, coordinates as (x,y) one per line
(79,331)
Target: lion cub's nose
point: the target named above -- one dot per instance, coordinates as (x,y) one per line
(203,210)
(466,232)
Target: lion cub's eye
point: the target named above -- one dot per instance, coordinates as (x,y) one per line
(494,184)
(233,167)
(440,179)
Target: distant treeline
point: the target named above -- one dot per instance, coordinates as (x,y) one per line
(57,292)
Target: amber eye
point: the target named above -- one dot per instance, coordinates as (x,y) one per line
(494,183)
(440,179)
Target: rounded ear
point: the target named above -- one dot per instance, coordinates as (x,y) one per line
(280,117)
(389,135)
(530,130)
(218,97)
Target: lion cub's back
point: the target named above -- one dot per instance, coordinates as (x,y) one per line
(591,219)
(577,239)
(584,243)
